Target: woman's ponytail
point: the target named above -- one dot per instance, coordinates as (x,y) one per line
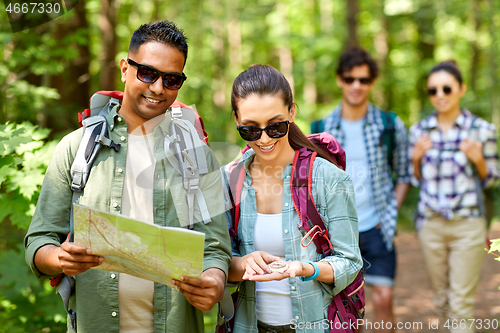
(298,140)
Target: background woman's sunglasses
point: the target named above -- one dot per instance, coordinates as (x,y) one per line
(274,130)
(362,80)
(146,74)
(433,91)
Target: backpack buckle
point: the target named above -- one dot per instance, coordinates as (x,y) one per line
(176,112)
(72,318)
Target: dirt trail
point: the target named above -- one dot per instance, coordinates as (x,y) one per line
(413,293)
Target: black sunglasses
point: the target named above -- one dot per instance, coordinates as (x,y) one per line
(362,80)
(147,74)
(274,130)
(433,91)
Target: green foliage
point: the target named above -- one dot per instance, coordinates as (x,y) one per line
(26,304)
(23,160)
(495,247)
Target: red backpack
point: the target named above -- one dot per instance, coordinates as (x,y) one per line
(348,305)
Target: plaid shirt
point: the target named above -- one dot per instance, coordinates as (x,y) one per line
(447,186)
(384,198)
(333,195)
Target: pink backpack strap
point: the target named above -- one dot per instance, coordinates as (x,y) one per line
(301,188)
(236,179)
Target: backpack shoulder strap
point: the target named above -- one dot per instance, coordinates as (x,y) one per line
(188,158)
(388,136)
(94,137)
(236,179)
(303,202)
(317,126)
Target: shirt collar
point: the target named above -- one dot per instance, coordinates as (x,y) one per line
(248,157)
(113,116)
(369,117)
(459,122)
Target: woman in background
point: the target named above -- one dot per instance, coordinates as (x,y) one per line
(453,158)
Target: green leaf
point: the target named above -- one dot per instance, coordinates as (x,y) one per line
(4,171)
(495,245)
(17,276)
(16,207)
(28,183)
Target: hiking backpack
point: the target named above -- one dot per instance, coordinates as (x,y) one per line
(348,305)
(187,135)
(387,137)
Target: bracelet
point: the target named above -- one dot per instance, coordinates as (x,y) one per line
(316,272)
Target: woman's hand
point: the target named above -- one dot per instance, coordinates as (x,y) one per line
(421,146)
(295,269)
(474,152)
(256,263)
(472,149)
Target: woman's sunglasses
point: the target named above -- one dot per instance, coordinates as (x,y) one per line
(146,74)
(274,130)
(433,91)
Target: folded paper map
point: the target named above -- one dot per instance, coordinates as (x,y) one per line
(139,248)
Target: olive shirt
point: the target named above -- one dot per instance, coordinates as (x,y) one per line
(97,291)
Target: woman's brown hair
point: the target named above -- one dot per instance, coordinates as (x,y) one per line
(266,80)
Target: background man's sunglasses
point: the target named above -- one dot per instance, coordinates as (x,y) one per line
(434,91)
(362,80)
(274,130)
(146,74)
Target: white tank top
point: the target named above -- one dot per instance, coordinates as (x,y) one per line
(274,305)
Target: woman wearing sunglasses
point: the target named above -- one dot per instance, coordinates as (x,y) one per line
(453,158)
(293,300)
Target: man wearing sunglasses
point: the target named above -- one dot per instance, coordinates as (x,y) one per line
(137,181)
(359,127)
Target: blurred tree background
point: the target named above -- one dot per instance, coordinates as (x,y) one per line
(48,73)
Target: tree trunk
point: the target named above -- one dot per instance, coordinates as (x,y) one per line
(326,16)
(235,60)
(476,13)
(383,46)
(218,83)
(310,90)
(352,24)
(424,19)
(284,51)
(79,69)
(74,84)
(493,68)
(107,25)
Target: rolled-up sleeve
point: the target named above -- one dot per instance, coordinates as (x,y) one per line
(490,153)
(414,136)
(400,160)
(50,222)
(343,232)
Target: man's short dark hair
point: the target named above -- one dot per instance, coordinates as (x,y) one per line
(355,57)
(162,32)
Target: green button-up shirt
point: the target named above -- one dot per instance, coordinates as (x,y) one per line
(96,297)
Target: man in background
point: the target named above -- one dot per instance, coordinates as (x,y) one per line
(375,143)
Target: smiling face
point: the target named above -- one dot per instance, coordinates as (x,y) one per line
(143,101)
(355,93)
(444,103)
(260,111)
